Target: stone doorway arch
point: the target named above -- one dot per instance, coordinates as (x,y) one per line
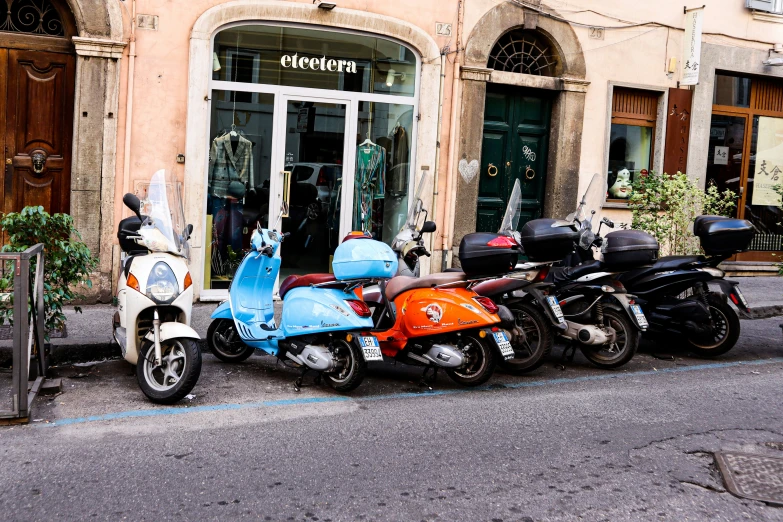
(566,83)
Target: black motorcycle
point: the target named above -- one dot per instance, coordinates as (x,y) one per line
(675,291)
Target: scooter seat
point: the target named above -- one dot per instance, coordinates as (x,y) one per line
(499,286)
(674,262)
(297,281)
(572,273)
(400,284)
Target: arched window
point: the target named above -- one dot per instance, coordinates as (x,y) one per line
(32,17)
(525,52)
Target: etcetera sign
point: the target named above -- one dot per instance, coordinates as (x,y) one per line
(317,64)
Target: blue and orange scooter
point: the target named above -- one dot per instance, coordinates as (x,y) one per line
(325,325)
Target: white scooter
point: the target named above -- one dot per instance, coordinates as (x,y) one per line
(155,294)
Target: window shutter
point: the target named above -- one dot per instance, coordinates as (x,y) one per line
(762,5)
(635,106)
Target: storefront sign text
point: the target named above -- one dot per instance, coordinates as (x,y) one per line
(768,174)
(691,50)
(317,64)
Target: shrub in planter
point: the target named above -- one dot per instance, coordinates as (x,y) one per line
(666,207)
(67,260)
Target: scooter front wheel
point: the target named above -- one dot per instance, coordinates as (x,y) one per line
(480,362)
(175,377)
(224,342)
(352,368)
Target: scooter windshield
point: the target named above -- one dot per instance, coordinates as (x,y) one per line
(592,201)
(513,211)
(417,206)
(163,228)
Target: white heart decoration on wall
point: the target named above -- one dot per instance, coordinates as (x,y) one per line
(468,170)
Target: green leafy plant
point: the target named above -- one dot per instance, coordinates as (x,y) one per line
(666,206)
(67,260)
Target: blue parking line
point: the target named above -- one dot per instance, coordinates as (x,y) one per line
(405,395)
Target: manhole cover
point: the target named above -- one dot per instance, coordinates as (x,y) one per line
(756,477)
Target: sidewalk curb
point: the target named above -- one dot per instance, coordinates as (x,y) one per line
(65,354)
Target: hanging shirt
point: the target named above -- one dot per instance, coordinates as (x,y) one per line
(369,183)
(226,166)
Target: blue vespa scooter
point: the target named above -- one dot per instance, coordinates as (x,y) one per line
(324,327)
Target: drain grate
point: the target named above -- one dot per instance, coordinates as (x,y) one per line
(752,476)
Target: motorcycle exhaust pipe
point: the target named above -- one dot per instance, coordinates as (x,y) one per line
(590,334)
(317,358)
(445,356)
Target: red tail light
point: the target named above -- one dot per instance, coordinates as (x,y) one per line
(488,304)
(542,274)
(322,181)
(734,299)
(502,242)
(360,307)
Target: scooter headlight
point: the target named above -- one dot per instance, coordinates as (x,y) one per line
(162,284)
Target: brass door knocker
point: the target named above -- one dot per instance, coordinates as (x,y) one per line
(529,173)
(492,170)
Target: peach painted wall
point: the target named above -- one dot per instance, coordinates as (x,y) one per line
(161,79)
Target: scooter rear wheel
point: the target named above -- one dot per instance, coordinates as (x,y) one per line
(176,377)
(725,330)
(530,354)
(619,352)
(481,363)
(224,342)
(353,370)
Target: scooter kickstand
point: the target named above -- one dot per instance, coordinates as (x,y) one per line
(428,382)
(568,356)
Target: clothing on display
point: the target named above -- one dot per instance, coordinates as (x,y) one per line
(230,173)
(230,161)
(369,183)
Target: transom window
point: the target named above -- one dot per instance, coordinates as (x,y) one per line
(526,52)
(32,16)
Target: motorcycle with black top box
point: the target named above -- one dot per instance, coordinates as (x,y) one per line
(675,291)
(490,259)
(599,315)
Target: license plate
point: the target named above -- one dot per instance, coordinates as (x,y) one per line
(505,347)
(741,297)
(554,305)
(371,349)
(640,318)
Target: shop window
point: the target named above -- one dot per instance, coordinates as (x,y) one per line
(632,133)
(298,57)
(732,91)
(237,180)
(383,155)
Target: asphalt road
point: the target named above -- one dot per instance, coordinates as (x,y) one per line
(561,444)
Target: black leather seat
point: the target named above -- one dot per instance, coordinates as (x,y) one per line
(572,273)
(674,262)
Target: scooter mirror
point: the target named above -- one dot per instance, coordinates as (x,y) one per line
(428,226)
(133,203)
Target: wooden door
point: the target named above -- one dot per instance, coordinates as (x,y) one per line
(36,101)
(515,146)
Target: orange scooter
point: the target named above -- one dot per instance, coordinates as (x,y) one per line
(438,322)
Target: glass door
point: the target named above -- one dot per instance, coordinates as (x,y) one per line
(313,155)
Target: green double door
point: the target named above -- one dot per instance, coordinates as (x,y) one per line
(514,146)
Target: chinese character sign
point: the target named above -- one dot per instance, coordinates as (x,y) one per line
(769,162)
(691,48)
(721,156)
